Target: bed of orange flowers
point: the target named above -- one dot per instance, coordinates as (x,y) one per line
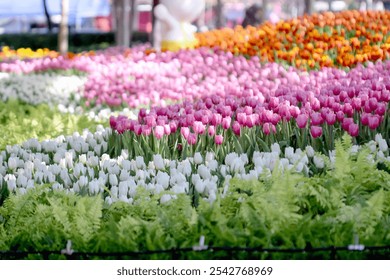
(329,39)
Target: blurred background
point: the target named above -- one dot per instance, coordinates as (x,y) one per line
(106,21)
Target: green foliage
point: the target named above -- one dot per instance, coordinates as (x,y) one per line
(20,122)
(43,220)
(279,210)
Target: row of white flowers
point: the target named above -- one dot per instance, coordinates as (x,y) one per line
(46,88)
(80,164)
(63,91)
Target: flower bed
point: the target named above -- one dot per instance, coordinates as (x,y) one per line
(222,145)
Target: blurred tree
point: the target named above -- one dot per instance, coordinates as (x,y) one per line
(308,7)
(155,3)
(63,41)
(48,19)
(219,14)
(124,12)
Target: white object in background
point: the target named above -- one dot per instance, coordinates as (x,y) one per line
(173,29)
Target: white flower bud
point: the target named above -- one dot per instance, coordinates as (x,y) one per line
(275,148)
(113,180)
(319,162)
(140,163)
(13,163)
(198,158)
(309,151)
(289,152)
(158,162)
(162,179)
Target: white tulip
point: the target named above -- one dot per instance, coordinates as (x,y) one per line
(309,151)
(198,159)
(162,179)
(209,156)
(383,145)
(140,163)
(108,200)
(275,148)
(13,163)
(83,158)
(98,149)
(158,189)
(166,198)
(230,158)
(11,182)
(289,152)
(69,159)
(30,184)
(200,186)
(158,162)
(113,180)
(204,172)
(123,188)
(319,162)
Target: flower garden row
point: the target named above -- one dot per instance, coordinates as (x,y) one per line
(322,40)
(219,144)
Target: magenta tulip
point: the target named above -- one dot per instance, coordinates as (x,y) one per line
(236,128)
(353,129)
(302,120)
(316,131)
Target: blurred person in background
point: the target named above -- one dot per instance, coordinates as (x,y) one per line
(254,15)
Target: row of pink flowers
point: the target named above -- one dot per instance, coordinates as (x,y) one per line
(359,98)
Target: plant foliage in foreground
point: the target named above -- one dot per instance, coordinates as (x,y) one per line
(20,122)
(289,211)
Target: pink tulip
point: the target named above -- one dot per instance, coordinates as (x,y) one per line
(173,126)
(348,109)
(316,119)
(211,130)
(316,131)
(373,121)
(192,139)
(302,120)
(138,129)
(269,128)
(216,119)
(353,129)
(346,123)
(226,122)
(340,116)
(167,129)
(236,128)
(146,130)
(198,127)
(185,132)
(159,131)
(113,122)
(218,139)
(330,118)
